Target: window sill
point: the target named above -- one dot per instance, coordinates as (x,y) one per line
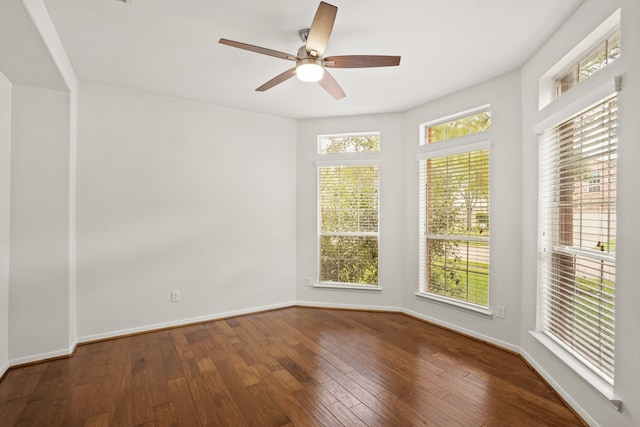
(460,305)
(594,380)
(347,286)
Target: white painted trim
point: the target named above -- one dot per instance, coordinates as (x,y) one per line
(598,384)
(591,98)
(42,21)
(41,357)
(4,368)
(431,151)
(554,384)
(313,304)
(346,286)
(345,162)
(547,83)
(502,344)
(183,322)
(452,302)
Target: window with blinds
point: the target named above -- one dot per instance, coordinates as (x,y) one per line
(455,224)
(348,223)
(577,225)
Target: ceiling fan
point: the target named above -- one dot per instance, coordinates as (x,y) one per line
(310,64)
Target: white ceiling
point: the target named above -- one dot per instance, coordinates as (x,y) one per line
(171,47)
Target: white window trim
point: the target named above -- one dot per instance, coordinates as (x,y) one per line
(452,302)
(570,359)
(575,363)
(347,286)
(354,162)
(547,83)
(433,150)
(593,97)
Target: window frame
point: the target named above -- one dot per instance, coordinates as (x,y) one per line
(547,82)
(345,159)
(604,387)
(347,135)
(576,64)
(424,127)
(441,150)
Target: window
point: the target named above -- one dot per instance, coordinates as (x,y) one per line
(360,143)
(578,233)
(598,57)
(593,183)
(600,48)
(348,198)
(454,224)
(467,123)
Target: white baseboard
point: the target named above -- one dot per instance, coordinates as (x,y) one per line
(566,396)
(182,322)
(474,334)
(42,356)
(315,304)
(485,338)
(114,334)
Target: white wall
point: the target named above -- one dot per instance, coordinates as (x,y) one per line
(5,183)
(595,409)
(180,195)
(390,239)
(39,313)
(503,94)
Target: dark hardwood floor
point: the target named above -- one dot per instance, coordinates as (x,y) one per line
(291,367)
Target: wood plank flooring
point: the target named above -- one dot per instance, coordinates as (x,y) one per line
(291,367)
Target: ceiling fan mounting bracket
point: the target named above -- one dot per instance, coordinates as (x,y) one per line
(304,34)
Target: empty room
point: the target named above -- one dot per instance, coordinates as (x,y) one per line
(307,213)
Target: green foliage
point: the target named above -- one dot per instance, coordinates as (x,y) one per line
(468,125)
(459,278)
(349,208)
(349,259)
(456,185)
(350,144)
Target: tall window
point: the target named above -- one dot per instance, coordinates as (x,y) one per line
(454,224)
(578,235)
(348,200)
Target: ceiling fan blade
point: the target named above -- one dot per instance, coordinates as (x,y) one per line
(330,84)
(258,49)
(277,79)
(321,29)
(361,61)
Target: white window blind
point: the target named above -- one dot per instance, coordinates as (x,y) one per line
(348,224)
(454,226)
(577,223)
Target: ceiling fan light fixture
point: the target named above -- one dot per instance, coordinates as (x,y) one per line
(309,70)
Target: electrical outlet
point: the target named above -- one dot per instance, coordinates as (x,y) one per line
(175,296)
(307,281)
(501,311)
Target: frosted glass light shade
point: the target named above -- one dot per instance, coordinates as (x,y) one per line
(309,72)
